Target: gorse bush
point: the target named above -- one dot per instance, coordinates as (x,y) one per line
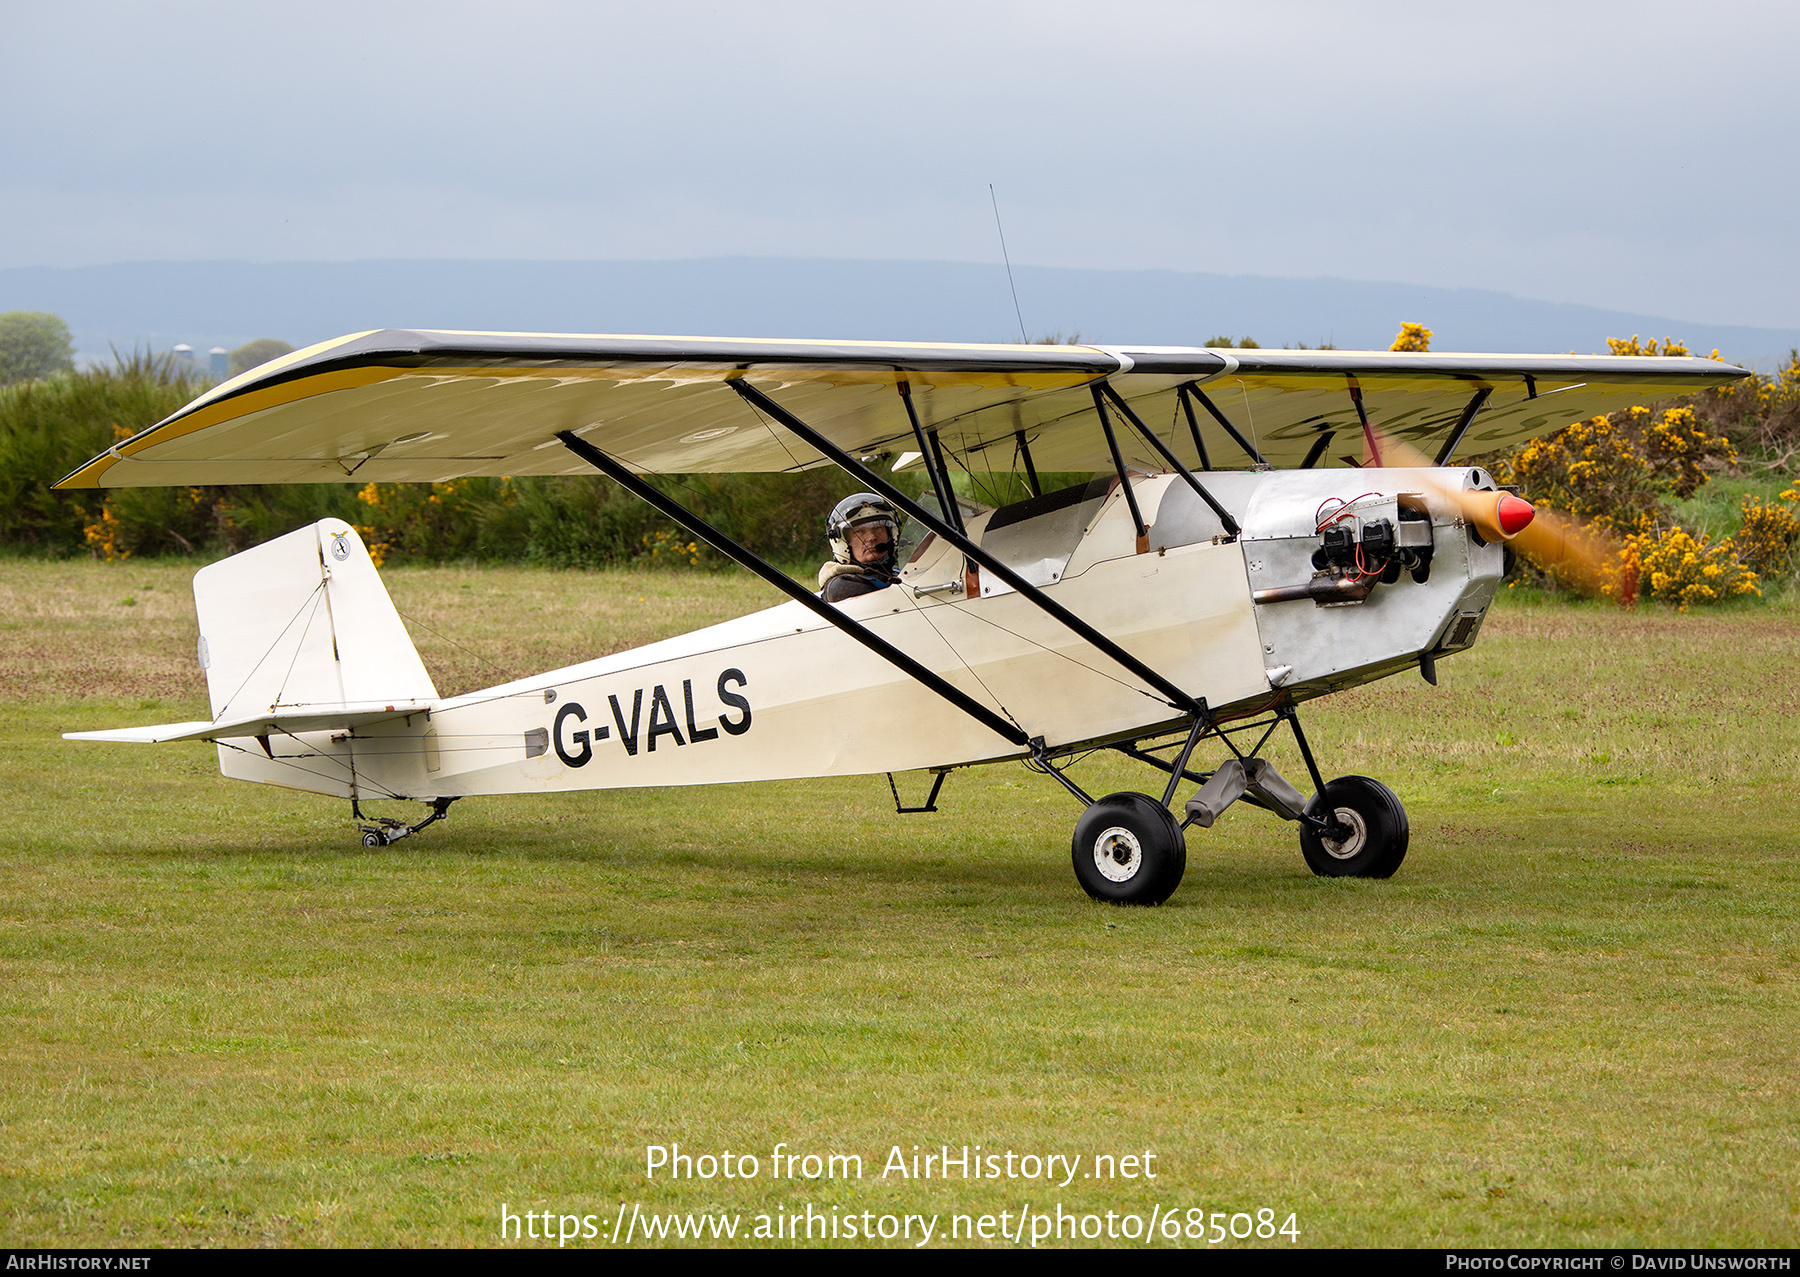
(1630,474)
(1621,474)
(1631,346)
(1614,471)
(1673,565)
(1680,451)
(1767,535)
(1592,469)
(1761,414)
(1412,337)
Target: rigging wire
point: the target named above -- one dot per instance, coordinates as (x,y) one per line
(310,598)
(913,599)
(1250,413)
(412,620)
(288,761)
(774,434)
(1030,642)
(295,659)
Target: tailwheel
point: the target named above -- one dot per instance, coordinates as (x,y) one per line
(386,831)
(1368,832)
(1128,850)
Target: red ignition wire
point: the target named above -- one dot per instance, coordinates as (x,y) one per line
(1344,510)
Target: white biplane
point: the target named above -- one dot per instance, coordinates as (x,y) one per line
(1194,592)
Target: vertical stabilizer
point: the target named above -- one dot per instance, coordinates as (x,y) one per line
(303,621)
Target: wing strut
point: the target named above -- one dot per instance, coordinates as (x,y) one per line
(1187,406)
(1318,449)
(1230,524)
(1112,446)
(1037,489)
(800,594)
(1369,440)
(933,457)
(1189,388)
(1462,424)
(851,466)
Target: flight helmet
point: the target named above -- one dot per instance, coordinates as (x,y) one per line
(863,509)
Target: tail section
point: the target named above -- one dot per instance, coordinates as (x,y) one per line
(302,646)
(302,624)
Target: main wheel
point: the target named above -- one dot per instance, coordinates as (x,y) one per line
(1374,842)
(1128,850)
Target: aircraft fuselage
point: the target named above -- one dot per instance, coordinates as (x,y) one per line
(781,694)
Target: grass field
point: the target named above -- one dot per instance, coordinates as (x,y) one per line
(1571,1019)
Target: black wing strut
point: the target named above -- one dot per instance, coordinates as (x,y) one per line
(799,593)
(850,465)
(1462,425)
(1225,520)
(1192,388)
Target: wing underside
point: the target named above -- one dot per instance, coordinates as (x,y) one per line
(414,406)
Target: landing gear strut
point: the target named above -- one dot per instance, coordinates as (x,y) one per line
(1130,849)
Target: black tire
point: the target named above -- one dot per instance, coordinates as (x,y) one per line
(1128,850)
(1377,843)
(373,838)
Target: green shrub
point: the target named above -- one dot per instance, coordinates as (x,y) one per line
(49,427)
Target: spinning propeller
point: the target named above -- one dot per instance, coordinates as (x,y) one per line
(1552,539)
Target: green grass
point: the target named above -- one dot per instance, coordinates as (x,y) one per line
(1569,1020)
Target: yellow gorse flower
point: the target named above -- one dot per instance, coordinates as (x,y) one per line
(1413,337)
(1684,570)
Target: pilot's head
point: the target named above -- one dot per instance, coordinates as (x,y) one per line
(863,529)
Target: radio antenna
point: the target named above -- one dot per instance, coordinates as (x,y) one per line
(1023,341)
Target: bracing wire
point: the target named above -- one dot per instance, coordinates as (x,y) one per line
(269,651)
(961,660)
(1111,678)
(412,620)
(294,660)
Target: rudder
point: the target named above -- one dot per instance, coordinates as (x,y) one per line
(302,622)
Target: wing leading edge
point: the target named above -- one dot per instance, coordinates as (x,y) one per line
(412,406)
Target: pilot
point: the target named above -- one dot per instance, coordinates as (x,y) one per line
(863,531)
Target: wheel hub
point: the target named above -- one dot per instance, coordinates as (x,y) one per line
(1352,843)
(1117,854)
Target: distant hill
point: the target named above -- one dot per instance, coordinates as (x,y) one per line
(206,304)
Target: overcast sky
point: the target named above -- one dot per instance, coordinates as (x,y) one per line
(1638,156)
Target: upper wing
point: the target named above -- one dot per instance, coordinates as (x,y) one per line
(409,406)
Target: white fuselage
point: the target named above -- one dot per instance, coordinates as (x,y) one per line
(781,693)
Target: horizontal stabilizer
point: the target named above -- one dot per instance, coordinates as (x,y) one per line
(286,723)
